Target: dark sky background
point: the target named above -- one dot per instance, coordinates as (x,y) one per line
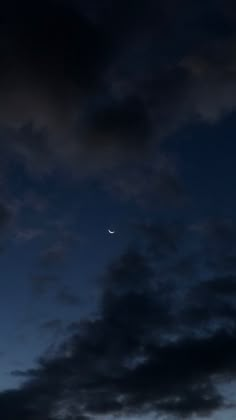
(118,115)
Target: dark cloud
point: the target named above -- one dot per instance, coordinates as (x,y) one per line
(158,343)
(51,56)
(93,86)
(222,286)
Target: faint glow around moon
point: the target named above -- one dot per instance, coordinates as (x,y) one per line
(111,231)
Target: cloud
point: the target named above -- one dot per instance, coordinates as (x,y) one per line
(222,286)
(85,89)
(93,89)
(160,342)
(46,70)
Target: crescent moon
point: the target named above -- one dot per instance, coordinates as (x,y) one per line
(111,231)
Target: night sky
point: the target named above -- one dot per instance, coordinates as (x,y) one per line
(120,116)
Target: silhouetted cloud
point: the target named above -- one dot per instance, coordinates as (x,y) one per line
(157,343)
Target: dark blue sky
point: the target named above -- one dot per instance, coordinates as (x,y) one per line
(117,115)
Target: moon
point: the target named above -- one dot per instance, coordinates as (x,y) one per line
(111,231)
